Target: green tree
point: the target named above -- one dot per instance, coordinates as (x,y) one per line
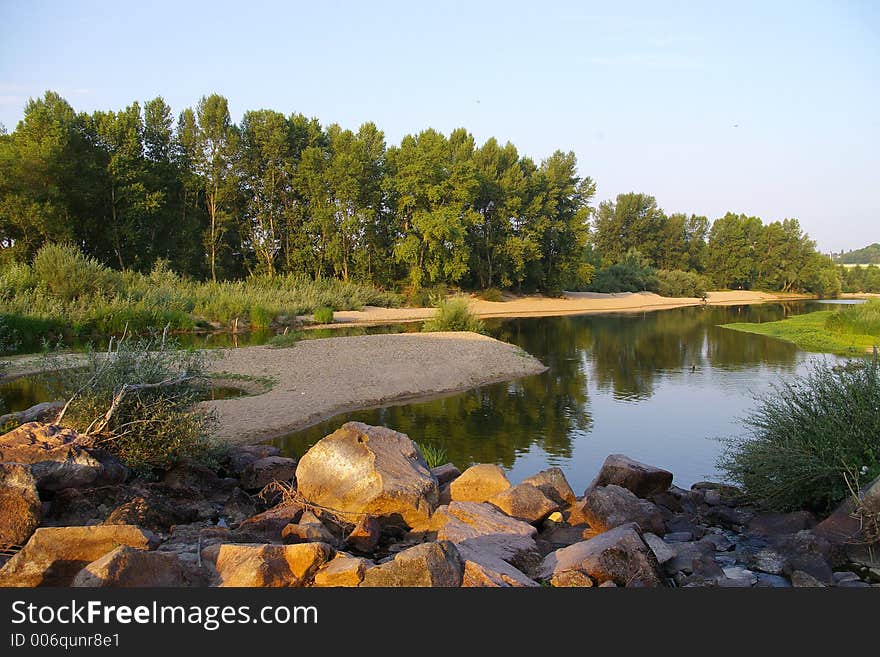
(731,251)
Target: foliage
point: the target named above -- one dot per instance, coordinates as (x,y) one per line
(284,339)
(860,279)
(869,255)
(850,331)
(150,427)
(677,283)
(434,455)
(323,315)
(425,297)
(454,314)
(808,436)
(632,274)
(491,294)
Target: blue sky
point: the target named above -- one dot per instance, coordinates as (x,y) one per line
(767,108)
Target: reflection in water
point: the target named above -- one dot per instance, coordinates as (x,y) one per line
(658,386)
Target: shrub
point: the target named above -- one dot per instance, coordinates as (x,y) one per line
(454,314)
(434,455)
(425,297)
(154,386)
(861,319)
(69,274)
(491,294)
(630,275)
(810,438)
(324,315)
(677,283)
(260,317)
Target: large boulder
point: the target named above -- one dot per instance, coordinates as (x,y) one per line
(248,565)
(54,555)
(607,507)
(426,565)
(361,469)
(20,508)
(478,483)
(129,567)
(524,502)
(484,535)
(445,473)
(151,512)
(263,472)
(553,484)
(59,458)
(482,572)
(619,555)
(641,479)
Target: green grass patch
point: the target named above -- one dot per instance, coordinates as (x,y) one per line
(434,455)
(324,315)
(454,315)
(283,340)
(821,331)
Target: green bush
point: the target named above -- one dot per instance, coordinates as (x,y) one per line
(630,275)
(810,438)
(425,297)
(454,314)
(324,315)
(69,274)
(156,386)
(861,319)
(677,283)
(491,294)
(284,339)
(260,317)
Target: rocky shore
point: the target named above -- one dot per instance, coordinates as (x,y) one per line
(362,508)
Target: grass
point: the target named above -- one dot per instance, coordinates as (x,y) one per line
(811,438)
(65,294)
(323,315)
(454,314)
(434,455)
(283,340)
(848,332)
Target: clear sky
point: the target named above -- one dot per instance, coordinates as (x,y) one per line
(767,108)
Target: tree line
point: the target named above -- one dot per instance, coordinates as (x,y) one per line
(282,194)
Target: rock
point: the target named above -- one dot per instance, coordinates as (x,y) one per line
(54,555)
(607,507)
(239,507)
(639,478)
(41,412)
(365,536)
(130,567)
(553,484)
(773,524)
(263,472)
(188,475)
(478,483)
(429,564)
(662,551)
(619,555)
(343,570)
(524,502)
(269,524)
(553,538)
(371,470)
(486,534)
(720,541)
(807,552)
(251,565)
(482,572)
(844,526)
(760,555)
(800,579)
(766,581)
(151,513)
(740,576)
(58,457)
(238,457)
(725,491)
(729,517)
(678,537)
(20,507)
(307,532)
(445,473)
(685,555)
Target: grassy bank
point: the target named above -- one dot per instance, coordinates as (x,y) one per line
(847,332)
(63,293)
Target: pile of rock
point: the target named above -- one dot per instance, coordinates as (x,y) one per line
(361,508)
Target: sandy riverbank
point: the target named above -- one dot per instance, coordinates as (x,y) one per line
(573,303)
(316,379)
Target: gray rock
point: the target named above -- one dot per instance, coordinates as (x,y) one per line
(607,507)
(678,537)
(262,472)
(639,478)
(742,576)
(800,579)
(619,555)
(445,473)
(369,470)
(553,484)
(659,547)
(427,565)
(525,502)
(771,581)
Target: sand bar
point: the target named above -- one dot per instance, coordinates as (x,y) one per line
(317,379)
(572,303)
